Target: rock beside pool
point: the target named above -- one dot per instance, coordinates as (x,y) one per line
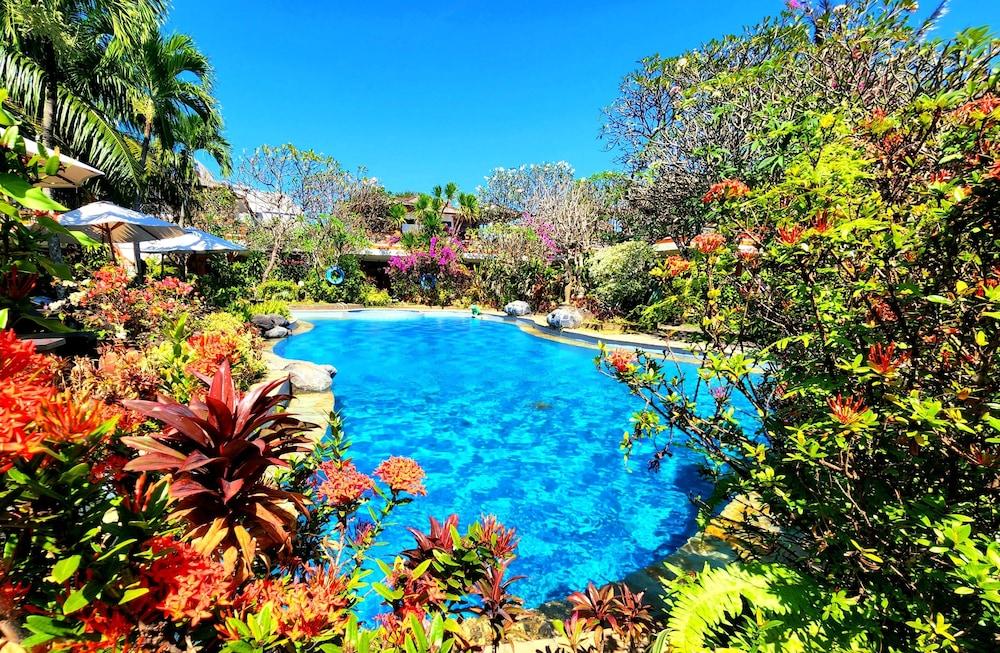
(565,317)
(265,321)
(517,309)
(276,332)
(309,377)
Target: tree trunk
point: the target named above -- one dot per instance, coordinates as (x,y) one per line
(272,261)
(51,90)
(147,137)
(47,138)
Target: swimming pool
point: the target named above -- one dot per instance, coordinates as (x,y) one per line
(505,423)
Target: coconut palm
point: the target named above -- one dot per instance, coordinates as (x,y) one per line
(468,211)
(59,62)
(194,134)
(171,78)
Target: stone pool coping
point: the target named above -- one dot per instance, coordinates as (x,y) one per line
(712,545)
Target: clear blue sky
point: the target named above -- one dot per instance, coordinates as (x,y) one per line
(425,92)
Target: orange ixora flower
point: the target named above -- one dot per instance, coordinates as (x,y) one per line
(708,242)
(341,484)
(674,266)
(847,411)
(185,585)
(790,234)
(303,608)
(621,360)
(64,418)
(882,358)
(402,475)
(727,189)
(19,362)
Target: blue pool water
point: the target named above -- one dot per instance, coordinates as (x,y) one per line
(506,423)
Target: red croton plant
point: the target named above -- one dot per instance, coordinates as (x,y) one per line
(229,531)
(219,451)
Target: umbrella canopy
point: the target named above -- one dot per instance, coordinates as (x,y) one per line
(193,240)
(71,174)
(115,224)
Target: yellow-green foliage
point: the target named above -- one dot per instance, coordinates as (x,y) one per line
(270,307)
(371,296)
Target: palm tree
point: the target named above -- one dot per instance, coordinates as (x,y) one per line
(194,134)
(58,60)
(171,78)
(468,211)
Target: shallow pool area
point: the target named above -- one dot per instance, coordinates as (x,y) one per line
(506,423)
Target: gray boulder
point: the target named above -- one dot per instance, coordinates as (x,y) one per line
(268,321)
(565,317)
(309,377)
(516,309)
(276,332)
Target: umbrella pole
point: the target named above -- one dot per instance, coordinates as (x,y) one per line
(111,245)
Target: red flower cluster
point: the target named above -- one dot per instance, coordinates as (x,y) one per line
(342,484)
(402,475)
(32,411)
(790,235)
(976,110)
(11,598)
(303,608)
(727,189)
(674,266)
(184,584)
(847,411)
(881,359)
(621,360)
(15,285)
(708,243)
(113,627)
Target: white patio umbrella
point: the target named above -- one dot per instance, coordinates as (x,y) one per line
(115,224)
(192,241)
(71,173)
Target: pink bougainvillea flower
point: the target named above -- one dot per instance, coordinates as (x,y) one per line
(402,475)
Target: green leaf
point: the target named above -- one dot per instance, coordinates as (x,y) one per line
(27,195)
(65,568)
(132,594)
(77,600)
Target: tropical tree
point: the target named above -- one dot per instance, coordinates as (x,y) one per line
(170,79)
(194,134)
(60,61)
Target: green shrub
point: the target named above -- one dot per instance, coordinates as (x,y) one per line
(371,296)
(269,307)
(286,291)
(228,281)
(320,290)
(621,276)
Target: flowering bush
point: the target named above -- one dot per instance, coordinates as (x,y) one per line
(435,274)
(863,331)
(131,563)
(111,304)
